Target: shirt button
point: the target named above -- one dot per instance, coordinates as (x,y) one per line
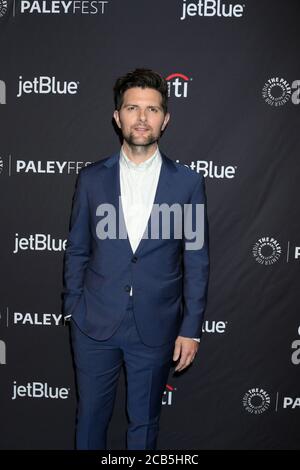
(127,288)
(134,259)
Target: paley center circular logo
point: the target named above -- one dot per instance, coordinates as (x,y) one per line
(1,165)
(276,91)
(256,401)
(3,7)
(266,251)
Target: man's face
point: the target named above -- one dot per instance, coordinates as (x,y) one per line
(141,117)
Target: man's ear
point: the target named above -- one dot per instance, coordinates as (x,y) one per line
(117,118)
(166,120)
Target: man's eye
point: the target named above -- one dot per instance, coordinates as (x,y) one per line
(154,110)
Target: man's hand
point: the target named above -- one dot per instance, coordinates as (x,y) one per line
(185,349)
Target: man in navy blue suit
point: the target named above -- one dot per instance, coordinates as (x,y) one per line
(136,269)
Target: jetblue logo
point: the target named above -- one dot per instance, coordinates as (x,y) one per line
(46,86)
(209,169)
(39,242)
(214,326)
(211,8)
(39,390)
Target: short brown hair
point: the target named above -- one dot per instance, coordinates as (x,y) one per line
(143,78)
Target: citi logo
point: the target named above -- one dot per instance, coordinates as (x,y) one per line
(2,92)
(46,86)
(168,395)
(277,92)
(39,390)
(295,357)
(48,7)
(214,326)
(209,169)
(2,352)
(39,242)
(211,8)
(178,85)
(3,7)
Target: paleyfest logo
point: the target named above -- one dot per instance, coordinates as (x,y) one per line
(64,7)
(3,7)
(256,401)
(277,92)
(267,251)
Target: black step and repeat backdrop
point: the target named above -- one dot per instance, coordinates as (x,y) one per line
(234,83)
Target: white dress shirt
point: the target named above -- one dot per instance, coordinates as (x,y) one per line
(138,184)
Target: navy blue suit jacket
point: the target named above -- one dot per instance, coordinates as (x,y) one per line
(169,282)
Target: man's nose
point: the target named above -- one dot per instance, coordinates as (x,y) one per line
(142,115)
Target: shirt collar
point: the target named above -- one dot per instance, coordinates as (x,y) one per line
(148,164)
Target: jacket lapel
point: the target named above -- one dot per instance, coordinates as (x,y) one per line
(162,195)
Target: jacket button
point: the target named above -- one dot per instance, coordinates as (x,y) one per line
(127,288)
(134,259)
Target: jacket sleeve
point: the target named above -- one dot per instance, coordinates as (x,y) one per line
(78,247)
(195,262)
